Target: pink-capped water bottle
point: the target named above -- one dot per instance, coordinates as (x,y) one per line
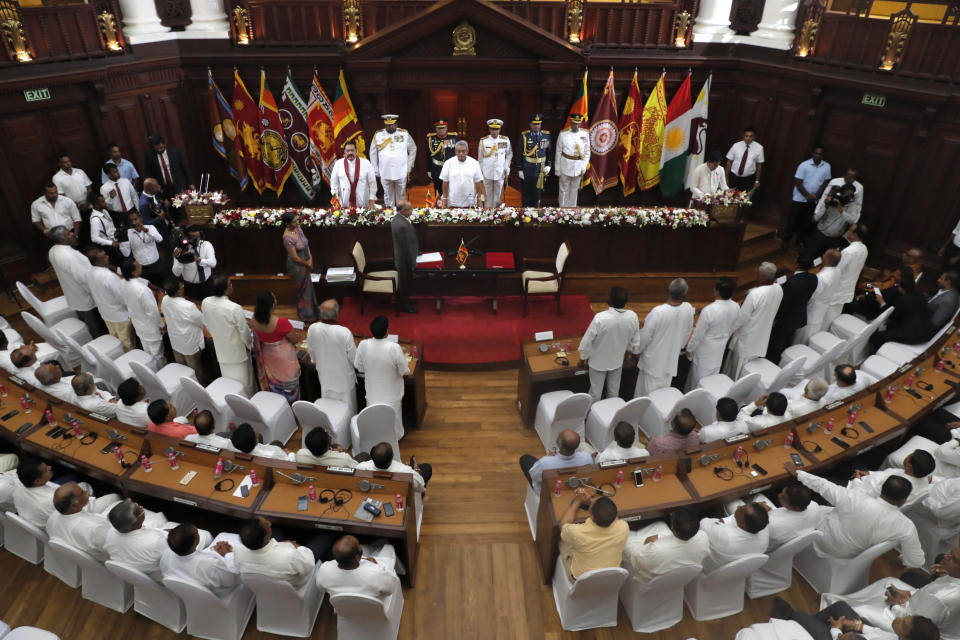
(416,353)
(658,473)
(77,431)
(218,469)
(254,480)
(569,346)
(51,419)
(558,488)
(941,363)
(788,441)
(830,423)
(172,459)
(909,381)
(25,403)
(312,493)
(852,417)
(398,502)
(891,391)
(619,480)
(3,391)
(118,454)
(145,463)
(739,454)
(232,426)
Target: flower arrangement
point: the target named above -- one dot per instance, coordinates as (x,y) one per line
(727,198)
(190,197)
(671,217)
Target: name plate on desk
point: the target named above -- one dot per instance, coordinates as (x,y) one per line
(18,380)
(833,405)
(344,470)
(740,437)
(99,417)
(184,501)
(759,489)
(327,527)
(543,335)
(580,372)
(632,519)
(905,368)
(612,463)
(206,447)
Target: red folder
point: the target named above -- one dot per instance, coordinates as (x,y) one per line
(500,260)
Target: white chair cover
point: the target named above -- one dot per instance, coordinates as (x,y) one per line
(209,616)
(375,424)
(283,610)
(591,601)
(719,593)
(658,604)
(360,616)
(150,598)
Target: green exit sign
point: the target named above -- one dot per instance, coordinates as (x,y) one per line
(36,95)
(874,99)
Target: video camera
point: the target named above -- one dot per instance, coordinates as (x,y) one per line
(180,239)
(840,195)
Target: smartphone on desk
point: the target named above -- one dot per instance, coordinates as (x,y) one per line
(302,503)
(638,477)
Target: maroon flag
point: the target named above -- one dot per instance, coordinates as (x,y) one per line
(604,169)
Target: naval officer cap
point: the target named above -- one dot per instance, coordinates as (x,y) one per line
(576,117)
(536,118)
(440,123)
(389,118)
(494,123)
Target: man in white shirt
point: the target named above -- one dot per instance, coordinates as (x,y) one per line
(72,269)
(745,162)
(319,449)
(103,230)
(728,422)
(126,168)
(665,330)
(837,209)
(193,262)
(132,408)
(714,328)
(72,182)
(106,289)
(462,179)
(352,180)
(53,210)
(24,362)
(658,548)
(822,298)
(120,195)
(392,154)
(858,521)
(384,365)
(751,334)
(608,338)
(565,456)
(232,337)
(184,326)
(810,401)
(87,396)
(796,514)
(143,310)
(73,523)
(358,571)
(141,244)
(765,411)
(572,159)
(246,440)
(918,468)
(51,381)
(133,542)
(381,459)
(708,178)
(206,432)
(495,155)
(261,554)
(741,534)
(624,445)
(212,567)
(853,257)
(34,499)
(849,381)
(333,351)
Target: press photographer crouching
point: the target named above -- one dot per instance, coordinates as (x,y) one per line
(838,208)
(193,260)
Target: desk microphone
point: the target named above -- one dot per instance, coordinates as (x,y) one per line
(171,450)
(760,445)
(366,486)
(115,435)
(705,459)
(575,483)
(229,466)
(297,478)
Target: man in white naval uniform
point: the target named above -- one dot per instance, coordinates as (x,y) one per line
(573,156)
(495,156)
(392,153)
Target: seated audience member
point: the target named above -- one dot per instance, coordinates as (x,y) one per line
(79,527)
(741,534)
(212,567)
(910,321)
(261,554)
(135,544)
(24,362)
(7,347)
(810,401)
(51,381)
(162,415)
(943,502)
(765,411)
(319,449)
(839,620)
(797,513)
(598,542)
(566,456)
(9,482)
(917,469)
(942,305)
(858,521)
(849,381)
(624,445)
(132,408)
(205,434)
(681,435)
(659,548)
(868,302)
(246,440)
(381,459)
(34,499)
(92,399)
(355,569)
(728,423)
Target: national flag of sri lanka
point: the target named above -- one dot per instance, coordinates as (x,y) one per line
(246,119)
(346,124)
(676,141)
(628,140)
(579,104)
(462,253)
(651,142)
(274,152)
(431,199)
(224,132)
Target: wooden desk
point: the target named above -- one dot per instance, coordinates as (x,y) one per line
(11,403)
(909,407)
(450,279)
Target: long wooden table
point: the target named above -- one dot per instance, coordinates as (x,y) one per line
(709,475)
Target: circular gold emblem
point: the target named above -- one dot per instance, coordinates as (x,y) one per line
(464,40)
(273,149)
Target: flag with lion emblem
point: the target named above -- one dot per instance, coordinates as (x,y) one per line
(320,122)
(246,120)
(293,117)
(224,132)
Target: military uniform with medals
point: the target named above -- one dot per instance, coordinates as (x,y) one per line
(534,163)
(495,155)
(439,150)
(392,154)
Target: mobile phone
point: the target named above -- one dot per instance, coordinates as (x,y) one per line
(244,491)
(866,427)
(302,503)
(10,415)
(914,394)
(840,443)
(638,477)
(109,447)
(51,431)
(387,509)
(759,469)
(24,427)
(797,460)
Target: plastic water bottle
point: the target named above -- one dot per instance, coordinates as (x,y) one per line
(852,417)
(172,459)
(118,454)
(3,391)
(909,381)
(788,442)
(312,493)
(658,473)
(891,391)
(145,463)
(232,426)
(738,454)
(941,363)
(416,353)
(558,488)
(569,346)
(77,431)
(254,480)
(619,481)
(51,419)
(25,403)
(398,502)
(830,424)
(218,469)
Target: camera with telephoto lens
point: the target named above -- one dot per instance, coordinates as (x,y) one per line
(839,196)
(180,239)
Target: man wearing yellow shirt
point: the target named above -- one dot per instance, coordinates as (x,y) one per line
(597,543)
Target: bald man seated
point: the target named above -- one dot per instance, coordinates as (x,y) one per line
(564,456)
(367,570)
(35,498)
(50,380)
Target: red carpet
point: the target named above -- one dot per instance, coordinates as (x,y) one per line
(466,332)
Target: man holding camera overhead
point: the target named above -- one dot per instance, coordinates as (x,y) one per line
(193,261)
(839,207)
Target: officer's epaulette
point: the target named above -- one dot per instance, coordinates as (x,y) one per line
(431,135)
(399,129)
(544,131)
(525,131)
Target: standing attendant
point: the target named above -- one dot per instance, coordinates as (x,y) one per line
(276,349)
(535,161)
(822,297)
(809,181)
(665,330)
(462,179)
(384,365)
(610,335)
(440,148)
(852,259)
(299,266)
(352,180)
(72,269)
(232,338)
(792,312)
(118,193)
(950,250)
(709,340)
(406,248)
(745,162)
(141,244)
(495,155)
(127,170)
(103,231)
(572,158)
(72,182)
(144,313)
(106,288)
(53,210)
(167,166)
(333,351)
(184,326)
(751,335)
(193,262)
(392,154)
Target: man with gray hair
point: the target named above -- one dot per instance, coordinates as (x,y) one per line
(665,330)
(810,401)
(73,270)
(91,398)
(757,313)
(332,349)
(462,179)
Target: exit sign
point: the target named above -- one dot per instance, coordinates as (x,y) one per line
(36,95)
(874,99)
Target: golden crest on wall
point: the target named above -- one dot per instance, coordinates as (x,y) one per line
(464,40)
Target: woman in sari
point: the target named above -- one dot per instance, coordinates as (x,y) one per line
(299,265)
(279,368)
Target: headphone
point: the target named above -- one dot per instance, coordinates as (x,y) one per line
(90,438)
(816,447)
(219,486)
(337,497)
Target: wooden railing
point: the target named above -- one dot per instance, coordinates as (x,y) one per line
(68,32)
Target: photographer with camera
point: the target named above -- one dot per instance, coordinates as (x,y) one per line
(141,241)
(839,207)
(193,260)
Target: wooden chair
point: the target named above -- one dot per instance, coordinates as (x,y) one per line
(545,282)
(379,282)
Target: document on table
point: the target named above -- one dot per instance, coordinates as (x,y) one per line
(436,256)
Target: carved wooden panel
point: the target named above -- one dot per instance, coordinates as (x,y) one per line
(745,15)
(173,13)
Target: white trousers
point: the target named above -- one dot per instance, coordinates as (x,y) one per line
(597,380)
(155,349)
(569,190)
(350,397)
(241,372)
(494,192)
(647,383)
(393,191)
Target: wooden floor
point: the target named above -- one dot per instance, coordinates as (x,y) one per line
(478,576)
